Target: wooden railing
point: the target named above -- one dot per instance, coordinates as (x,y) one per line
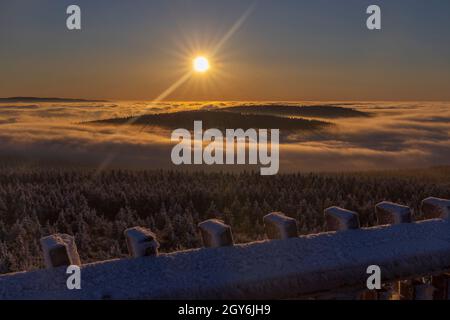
(413,256)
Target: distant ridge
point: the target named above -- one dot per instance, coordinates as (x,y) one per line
(318,111)
(285,117)
(36,99)
(217,119)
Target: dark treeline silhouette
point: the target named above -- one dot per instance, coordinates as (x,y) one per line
(43,100)
(96,209)
(321,111)
(218,119)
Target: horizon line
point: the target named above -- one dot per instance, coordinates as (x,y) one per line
(223,100)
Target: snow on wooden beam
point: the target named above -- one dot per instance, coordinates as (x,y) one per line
(279,226)
(216,234)
(338,219)
(297,267)
(436,208)
(392,213)
(141,242)
(60,250)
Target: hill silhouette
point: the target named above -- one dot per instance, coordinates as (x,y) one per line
(220,119)
(320,111)
(36,99)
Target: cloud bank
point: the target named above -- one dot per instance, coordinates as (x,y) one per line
(398,135)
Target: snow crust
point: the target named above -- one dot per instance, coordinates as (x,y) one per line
(213,226)
(440,206)
(340,213)
(395,213)
(285,226)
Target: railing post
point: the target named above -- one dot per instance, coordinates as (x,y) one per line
(441,284)
(279,226)
(60,250)
(436,208)
(141,242)
(424,292)
(406,289)
(392,213)
(216,233)
(389,213)
(415,290)
(338,219)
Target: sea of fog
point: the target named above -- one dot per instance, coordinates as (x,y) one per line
(396,135)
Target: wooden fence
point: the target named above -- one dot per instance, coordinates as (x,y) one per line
(414,258)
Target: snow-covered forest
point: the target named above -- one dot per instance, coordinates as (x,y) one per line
(96,209)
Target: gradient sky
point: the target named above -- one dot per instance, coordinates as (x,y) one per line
(285,50)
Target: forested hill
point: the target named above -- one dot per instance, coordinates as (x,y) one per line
(42,100)
(218,119)
(319,111)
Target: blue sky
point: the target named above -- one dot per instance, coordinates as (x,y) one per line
(285,50)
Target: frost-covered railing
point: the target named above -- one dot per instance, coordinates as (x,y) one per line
(413,256)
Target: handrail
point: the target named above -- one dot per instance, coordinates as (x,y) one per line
(275,269)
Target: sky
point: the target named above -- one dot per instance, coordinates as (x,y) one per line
(283,50)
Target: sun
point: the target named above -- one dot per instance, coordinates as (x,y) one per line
(201,64)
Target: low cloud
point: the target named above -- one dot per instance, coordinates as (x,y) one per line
(399,135)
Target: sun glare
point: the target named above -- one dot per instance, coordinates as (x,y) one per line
(201,64)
